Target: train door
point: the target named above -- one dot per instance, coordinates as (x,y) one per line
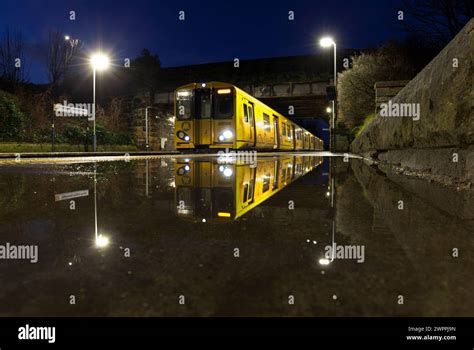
(293,134)
(276,132)
(248,187)
(248,122)
(203,132)
(253,135)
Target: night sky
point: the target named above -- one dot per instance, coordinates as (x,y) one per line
(213,30)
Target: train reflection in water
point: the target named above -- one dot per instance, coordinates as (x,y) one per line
(220,191)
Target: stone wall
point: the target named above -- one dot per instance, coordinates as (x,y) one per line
(444,90)
(445,127)
(386,90)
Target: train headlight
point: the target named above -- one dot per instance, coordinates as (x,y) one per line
(183,136)
(226,135)
(226,171)
(184,169)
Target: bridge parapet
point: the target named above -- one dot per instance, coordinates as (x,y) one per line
(267,91)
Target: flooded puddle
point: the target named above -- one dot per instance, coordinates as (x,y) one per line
(289,235)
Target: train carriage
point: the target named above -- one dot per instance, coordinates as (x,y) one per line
(219,115)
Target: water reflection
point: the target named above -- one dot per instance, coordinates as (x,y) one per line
(219,191)
(283,251)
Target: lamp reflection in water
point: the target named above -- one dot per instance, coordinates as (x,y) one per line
(101,241)
(213,191)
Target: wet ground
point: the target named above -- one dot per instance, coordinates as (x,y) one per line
(285,236)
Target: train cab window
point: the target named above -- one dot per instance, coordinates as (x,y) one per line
(203,105)
(184,100)
(283,129)
(224,104)
(246,114)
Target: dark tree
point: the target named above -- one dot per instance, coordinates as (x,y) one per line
(60,54)
(145,70)
(436,21)
(12,57)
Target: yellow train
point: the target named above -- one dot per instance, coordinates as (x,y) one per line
(219,115)
(220,191)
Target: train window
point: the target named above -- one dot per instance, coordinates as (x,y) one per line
(250,115)
(184,100)
(283,129)
(203,106)
(224,105)
(246,114)
(266,183)
(250,195)
(246,194)
(266,121)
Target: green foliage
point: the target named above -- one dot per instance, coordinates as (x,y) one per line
(356,93)
(358,129)
(11,118)
(112,138)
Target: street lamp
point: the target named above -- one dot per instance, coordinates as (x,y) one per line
(328,42)
(99,62)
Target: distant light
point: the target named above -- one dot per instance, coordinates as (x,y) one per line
(203,220)
(99,61)
(67,37)
(70,263)
(328,110)
(328,194)
(184,93)
(324,261)
(101,241)
(326,42)
(223,215)
(203,85)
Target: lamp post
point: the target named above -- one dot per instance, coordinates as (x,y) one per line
(146,126)
(98,62)
(101,241)
(328,42)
